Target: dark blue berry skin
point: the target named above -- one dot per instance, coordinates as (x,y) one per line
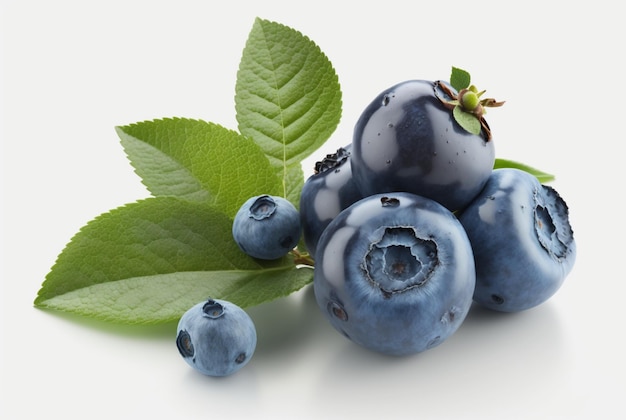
(216,337)
(267,227)
(395,273)
(406,140)
(325,193)
(523,243)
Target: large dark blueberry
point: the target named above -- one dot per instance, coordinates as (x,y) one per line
(325,193)
(395,273)
(406,140)
(523,242)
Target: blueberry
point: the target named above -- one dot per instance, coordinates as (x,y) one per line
(522,239)
(407,140)
(395,273)
(267,227)
(325,193)
(216,337)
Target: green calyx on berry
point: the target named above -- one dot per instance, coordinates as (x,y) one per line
(467,106)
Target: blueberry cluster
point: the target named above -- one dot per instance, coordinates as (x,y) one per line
(410,224)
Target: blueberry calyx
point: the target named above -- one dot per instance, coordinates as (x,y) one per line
(470,101)
(552,223)
(389,202)
(332,161)
(336,310)
(184,344)
(497,299)
(466,104)
(241,357)
(213,309)
(262,208)
(400,260)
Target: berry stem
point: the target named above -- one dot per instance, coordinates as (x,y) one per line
(302,258)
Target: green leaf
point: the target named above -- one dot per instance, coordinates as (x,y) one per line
(467,120)
(293,188)
(198,161)
(163,298)
(287,96)
(459,79)
(127,263)
(543,177)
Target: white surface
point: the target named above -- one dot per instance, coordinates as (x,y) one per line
(73,70)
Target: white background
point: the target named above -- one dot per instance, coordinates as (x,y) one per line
(72,70)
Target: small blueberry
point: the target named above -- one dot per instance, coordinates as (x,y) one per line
(267,227)
(216,337)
